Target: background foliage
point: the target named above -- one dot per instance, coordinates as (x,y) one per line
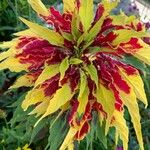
(17,128)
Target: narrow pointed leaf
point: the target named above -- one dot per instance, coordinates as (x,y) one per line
(63,67)
(39,7)
(86,13)
(45,33)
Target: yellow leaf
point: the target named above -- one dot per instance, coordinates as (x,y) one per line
(33,97)
(13,65)
(69,5)
(137,84)
(131,103)
(121,128)
(69,138)
(106,98)
(24,80)
(62,96)
(83,93)
(41,108)
(86,13)
(9,43)
(39,7)
(47,73)
(45,33)
(6,54)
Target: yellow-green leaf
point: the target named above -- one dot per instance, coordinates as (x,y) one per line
(137,84)
(24,80)
(39,7)
(45,33)
(121,128)
(34,96)
(47,73)
(83,93)
(92,71)
(61,97)
(41,108)
(106,98)
(13,65)
(75,26)
(75,61)
(131,103)
(125,35)
(63,67)
(86,13)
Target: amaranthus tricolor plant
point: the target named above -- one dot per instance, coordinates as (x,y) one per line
(75,65)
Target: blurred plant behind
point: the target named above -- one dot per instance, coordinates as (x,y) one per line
(17,128)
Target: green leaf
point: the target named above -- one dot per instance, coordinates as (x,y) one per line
(63,67)
(57,134)
(37,129)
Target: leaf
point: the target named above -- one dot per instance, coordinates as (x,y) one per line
(58,100)
(106,98)
(125,35)
(92,71)
(86,13)
(138,86)
(97,27)
(8,44)
(25,33)
(45,33)
(24,80)
(67,36)
(121,128)
(7,54)
(47,73)
(37,129)
(143,54)
(69,5)
(57,133)
(131,103)
(69,138)
(34,96)
(41,108)
(39,7)
(83,93)
(13,65)
(63,67)
(75,25)
(75,61)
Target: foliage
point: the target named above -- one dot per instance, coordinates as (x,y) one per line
(22,128)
